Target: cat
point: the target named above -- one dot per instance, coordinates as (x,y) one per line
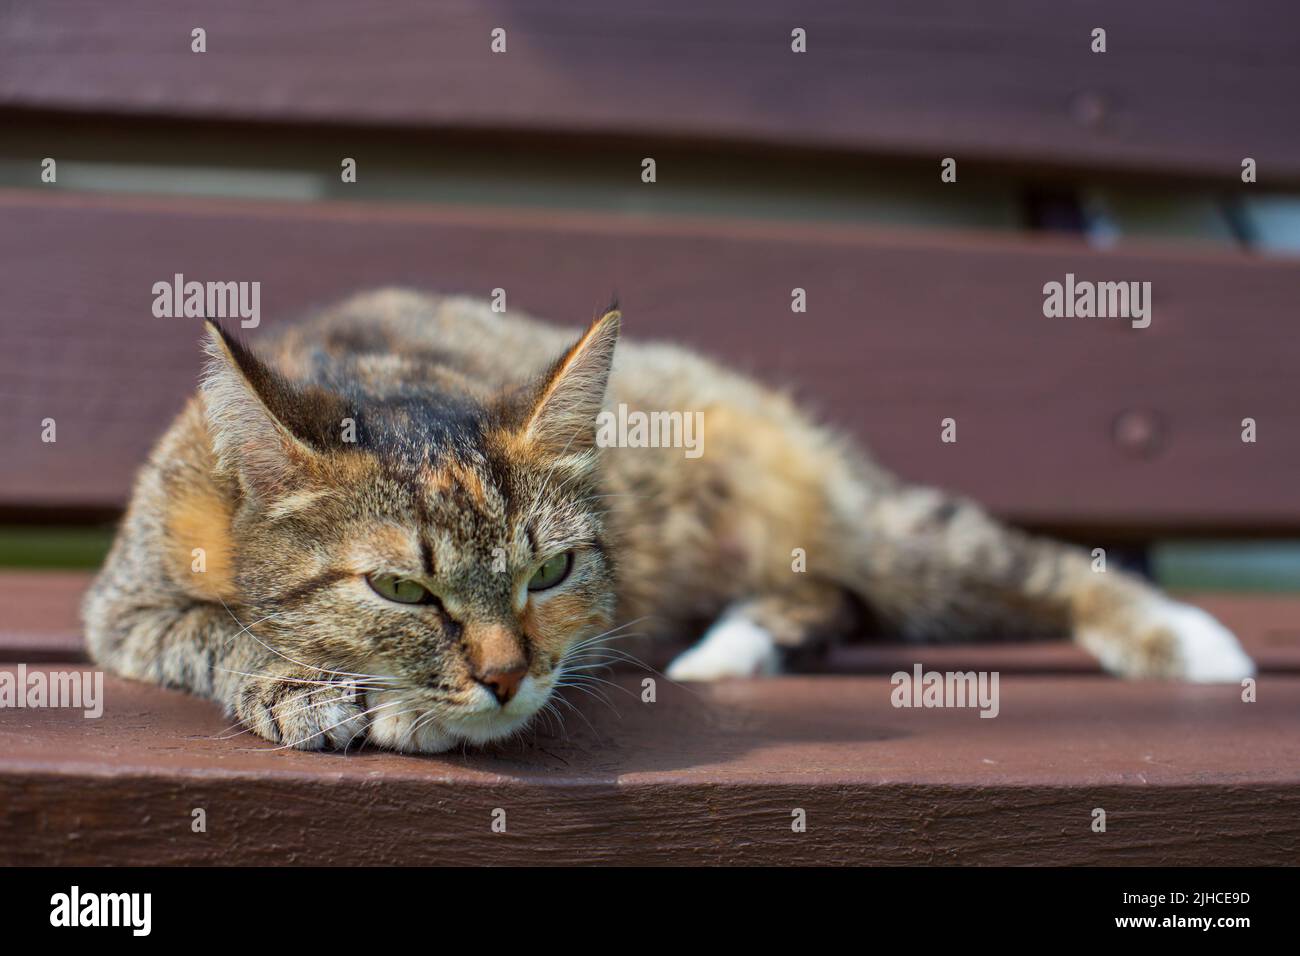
(395,525)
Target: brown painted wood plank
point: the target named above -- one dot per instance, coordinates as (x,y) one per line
(40,615)
(1186,775)
(39,622)
(1183,87)
(903,330)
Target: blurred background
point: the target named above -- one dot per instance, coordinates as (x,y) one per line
(796,146)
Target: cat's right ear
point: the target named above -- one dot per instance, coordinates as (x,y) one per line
(251,413)
(565,402)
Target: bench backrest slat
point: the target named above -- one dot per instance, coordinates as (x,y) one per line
(1059,420)
(1179,89)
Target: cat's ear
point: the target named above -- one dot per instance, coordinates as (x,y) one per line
(564,405)
(256,420)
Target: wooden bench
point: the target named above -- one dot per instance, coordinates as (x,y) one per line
(1109,434)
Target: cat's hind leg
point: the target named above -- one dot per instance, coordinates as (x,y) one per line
(941,569)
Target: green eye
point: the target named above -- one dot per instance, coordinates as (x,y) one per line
(401,590)
(551,573)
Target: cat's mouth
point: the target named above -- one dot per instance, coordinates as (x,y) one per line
(412,722)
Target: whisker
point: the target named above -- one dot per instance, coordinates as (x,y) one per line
(307,706)
(587,659)
(226,735)
(364,685)
(549,711)
(244,628)
(247,630)
(598,680)
(629,658)
(573,707)
(592,692)
(588,641)
(423,720)
(297,743)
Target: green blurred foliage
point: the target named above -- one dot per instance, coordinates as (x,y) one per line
(53,548)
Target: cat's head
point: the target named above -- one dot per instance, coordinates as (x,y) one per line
(451,549)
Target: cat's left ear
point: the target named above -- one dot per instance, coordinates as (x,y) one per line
(264,430)
(566,402)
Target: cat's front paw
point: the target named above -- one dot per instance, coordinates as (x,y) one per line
(1164,638)
(399,723)
(302,708)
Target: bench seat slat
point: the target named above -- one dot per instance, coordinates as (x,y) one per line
(707,775)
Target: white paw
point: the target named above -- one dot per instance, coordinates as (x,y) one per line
(732,647)
(1207,651)
(399,723)
(1166,639)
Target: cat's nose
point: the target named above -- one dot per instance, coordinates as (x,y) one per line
(504,684)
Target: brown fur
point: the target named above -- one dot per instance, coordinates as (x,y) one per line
(475,445)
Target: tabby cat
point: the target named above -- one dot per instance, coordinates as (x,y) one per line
(396,525)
